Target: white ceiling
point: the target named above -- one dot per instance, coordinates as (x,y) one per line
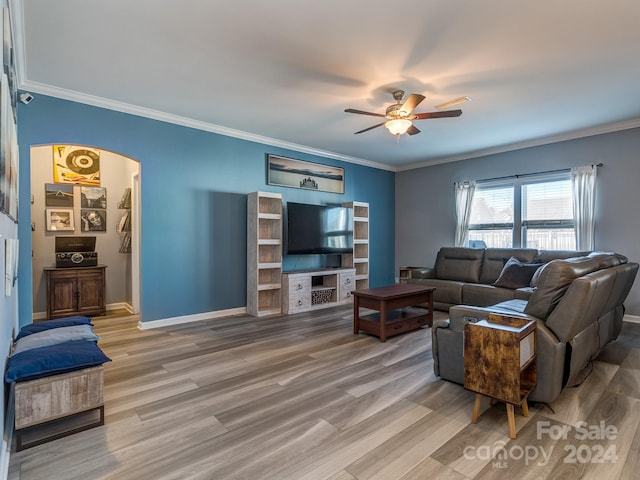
(282,71)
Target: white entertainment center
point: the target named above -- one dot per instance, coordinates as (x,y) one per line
(315,289)
(271,291)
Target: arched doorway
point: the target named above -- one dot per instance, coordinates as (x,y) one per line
(104,206)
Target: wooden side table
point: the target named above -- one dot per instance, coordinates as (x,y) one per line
(500,362)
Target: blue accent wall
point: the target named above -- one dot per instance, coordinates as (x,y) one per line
(193,201)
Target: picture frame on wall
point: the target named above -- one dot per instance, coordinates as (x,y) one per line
(93,197)
(93,220)
(58,195)
(288,172)
(76,164)
(59,220)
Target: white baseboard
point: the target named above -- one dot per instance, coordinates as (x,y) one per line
(631,318)
(165,322)
(110,306)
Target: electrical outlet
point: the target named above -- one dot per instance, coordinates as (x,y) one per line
(470,319)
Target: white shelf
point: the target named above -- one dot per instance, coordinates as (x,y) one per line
(269,216)
(359,259)
(269,241)
(264,253)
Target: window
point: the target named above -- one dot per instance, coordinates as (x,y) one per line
(547,215)
(536,212)
(492,215)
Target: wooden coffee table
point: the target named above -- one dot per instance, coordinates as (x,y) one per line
(389,301)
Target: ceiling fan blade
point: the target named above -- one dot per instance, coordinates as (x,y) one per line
(370,128)
(412,130)
(446,113)
(412,102)
(362,112)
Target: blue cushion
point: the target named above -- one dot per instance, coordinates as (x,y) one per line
(54,336)
(48,324)
(53,359)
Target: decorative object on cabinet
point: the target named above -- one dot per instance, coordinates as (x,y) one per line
(58,195)
(359,259)
(76,164)
(287,172)
(75,291)
(264,253)
(500,362)
(59,219)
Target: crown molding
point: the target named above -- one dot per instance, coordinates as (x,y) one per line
(122,107)
(572,135)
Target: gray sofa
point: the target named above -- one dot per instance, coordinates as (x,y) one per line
(578,308)
(467,275)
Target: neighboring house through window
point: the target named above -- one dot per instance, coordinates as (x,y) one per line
(532,212)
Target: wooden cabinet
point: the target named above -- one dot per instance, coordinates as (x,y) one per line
(360,257)
(500,362)
(76,291)
(317,289)
(264,253)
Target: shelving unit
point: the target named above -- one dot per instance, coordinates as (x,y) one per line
(264,253)
(360,257)
(124,225)
(316,289)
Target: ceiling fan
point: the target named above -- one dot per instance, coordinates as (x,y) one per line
(399,116)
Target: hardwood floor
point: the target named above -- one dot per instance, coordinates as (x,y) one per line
(301,397)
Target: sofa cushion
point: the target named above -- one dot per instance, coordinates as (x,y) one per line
(516,274)
(460,264)
(484,295)
(494,260)
(447,292)
(555,278)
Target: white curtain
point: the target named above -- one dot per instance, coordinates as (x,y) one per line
(464,199)
(583,184)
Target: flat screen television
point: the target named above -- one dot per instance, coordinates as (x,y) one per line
(318,229)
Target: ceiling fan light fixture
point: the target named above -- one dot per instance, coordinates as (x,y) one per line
(451,103)
(398,126)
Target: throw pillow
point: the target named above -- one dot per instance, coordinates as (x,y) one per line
(54,336)
(53,359)
(516,274)
(49,324)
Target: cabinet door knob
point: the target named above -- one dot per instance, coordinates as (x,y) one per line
(299,302)
(299,287)
(348,280)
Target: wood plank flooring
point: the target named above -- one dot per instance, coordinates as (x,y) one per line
(301,397)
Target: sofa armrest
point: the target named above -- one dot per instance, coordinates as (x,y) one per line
(422,272)
(460,315)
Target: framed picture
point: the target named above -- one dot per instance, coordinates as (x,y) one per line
(93,220)
(59,219)
(93,197)
(76,164)
(58,195)
(287,172)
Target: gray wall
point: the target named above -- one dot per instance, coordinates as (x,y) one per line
(425,204)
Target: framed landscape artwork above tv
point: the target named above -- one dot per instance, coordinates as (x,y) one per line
(287,172)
